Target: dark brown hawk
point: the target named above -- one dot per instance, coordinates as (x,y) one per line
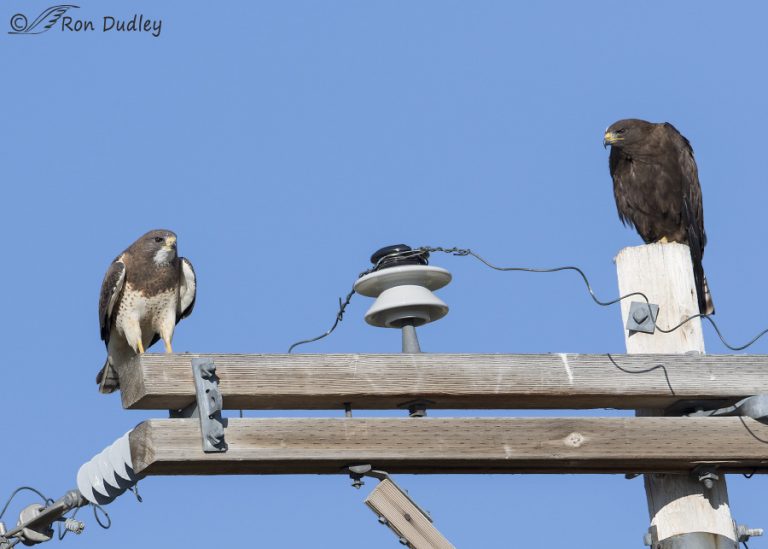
(147,290)
(657,191)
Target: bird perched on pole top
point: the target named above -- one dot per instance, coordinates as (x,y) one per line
(147,290)
(657,190)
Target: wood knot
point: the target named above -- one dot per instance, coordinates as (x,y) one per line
(574,440)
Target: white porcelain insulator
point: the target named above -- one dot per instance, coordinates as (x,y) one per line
(108,474)
(403,294)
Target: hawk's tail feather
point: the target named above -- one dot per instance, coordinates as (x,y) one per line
(706,306)
(709,306)
(696,247)
(107,379)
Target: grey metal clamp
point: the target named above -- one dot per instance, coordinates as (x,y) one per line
(207,406)
(755,407)
(642,317)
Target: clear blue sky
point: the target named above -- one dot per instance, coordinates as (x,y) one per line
(286,141)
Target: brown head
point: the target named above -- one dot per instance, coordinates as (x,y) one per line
(158,245)
(624,134)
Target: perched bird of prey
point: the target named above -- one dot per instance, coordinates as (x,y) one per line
(657,191)
(147,290)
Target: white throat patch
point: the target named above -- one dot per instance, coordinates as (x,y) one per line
(163,255)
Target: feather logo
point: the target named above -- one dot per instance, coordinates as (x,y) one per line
(43,23)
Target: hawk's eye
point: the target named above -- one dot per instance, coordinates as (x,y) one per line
(158,239)
(622,130)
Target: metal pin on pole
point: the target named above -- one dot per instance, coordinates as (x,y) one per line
(410,339)
(402,283)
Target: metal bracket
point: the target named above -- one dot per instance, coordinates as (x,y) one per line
(755,407)
(642,317)
(706,474)
(357,472)
(207,406)
(648,537)
(395,509)
(418,407)
(744,532)
(35,520)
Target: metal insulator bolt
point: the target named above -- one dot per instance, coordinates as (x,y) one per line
(404,541)
(74,526)
(745,532)
(708,478)
(207,370)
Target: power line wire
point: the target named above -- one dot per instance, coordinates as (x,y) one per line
(424,251)
(46,500)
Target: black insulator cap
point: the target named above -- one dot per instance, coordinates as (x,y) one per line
(396,255)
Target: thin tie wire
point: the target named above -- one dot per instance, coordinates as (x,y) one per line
(46,500)
(465,252)
(96,508)
(339,317)
(342,308)
(461,252)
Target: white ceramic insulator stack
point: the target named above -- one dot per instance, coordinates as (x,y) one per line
(404,293)
(108,474)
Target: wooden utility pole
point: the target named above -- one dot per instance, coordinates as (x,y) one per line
(684,513)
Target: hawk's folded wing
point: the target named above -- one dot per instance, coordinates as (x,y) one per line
(188,290)
(111,289)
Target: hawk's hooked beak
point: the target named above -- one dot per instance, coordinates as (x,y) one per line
(610,138)
(171,242)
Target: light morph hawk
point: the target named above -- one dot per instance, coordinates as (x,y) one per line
(657,191)
(147,290)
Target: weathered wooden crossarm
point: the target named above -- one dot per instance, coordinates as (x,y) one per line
(479,381)
(454,445)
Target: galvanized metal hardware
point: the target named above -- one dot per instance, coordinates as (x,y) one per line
(755,407)
(357,472)
(208,405)
(418,407)
(410,338)
(642,317)
(35,520)
(395,509)
(648,539)
(34,534)
(744,533)
(706,474)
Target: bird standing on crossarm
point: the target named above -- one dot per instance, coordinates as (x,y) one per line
(147,290)
(657,190)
